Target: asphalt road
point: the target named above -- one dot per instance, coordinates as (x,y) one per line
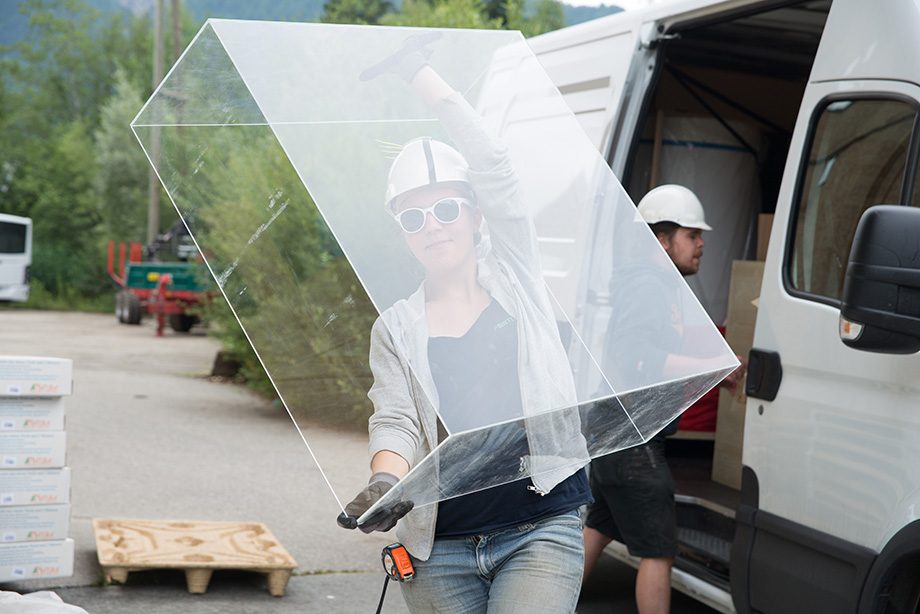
(151,436)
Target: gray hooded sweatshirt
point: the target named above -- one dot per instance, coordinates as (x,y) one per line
(404,394)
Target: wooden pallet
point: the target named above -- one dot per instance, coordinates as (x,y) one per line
(197,548)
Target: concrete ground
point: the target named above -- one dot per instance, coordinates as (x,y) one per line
(151,436)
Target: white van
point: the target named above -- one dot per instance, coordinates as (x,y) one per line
(803,115)
(15,257)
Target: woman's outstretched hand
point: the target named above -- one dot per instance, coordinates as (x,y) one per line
(406,61)
(383,519)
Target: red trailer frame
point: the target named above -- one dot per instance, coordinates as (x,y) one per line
(161,301)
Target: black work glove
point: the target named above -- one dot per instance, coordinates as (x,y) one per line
(383,519)
(406,61)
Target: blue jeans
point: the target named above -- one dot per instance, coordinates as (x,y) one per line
(531,569)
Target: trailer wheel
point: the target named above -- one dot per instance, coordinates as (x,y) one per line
(120,306)
(182,322)
(133,309)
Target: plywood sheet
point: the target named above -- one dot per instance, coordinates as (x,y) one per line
(739,333)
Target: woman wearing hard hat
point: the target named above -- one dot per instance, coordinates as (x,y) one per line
(480,334)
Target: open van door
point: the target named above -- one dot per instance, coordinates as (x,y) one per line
(831,491)
(592,73)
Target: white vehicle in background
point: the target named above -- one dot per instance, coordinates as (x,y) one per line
(800,116)
(15,257)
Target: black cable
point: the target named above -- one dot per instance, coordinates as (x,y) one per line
(383,593)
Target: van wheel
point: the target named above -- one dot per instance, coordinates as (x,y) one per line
(133,309)
(901,594)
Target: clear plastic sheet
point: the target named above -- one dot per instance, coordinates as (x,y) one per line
(276,152)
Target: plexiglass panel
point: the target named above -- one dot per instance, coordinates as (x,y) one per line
(433,241)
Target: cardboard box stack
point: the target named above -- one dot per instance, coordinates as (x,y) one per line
(34,481)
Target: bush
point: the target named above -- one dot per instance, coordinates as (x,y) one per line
(66,299)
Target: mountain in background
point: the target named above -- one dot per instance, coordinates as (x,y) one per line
(13,24)
(266,10)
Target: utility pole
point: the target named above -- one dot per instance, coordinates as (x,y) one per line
(153,210)
(176,30)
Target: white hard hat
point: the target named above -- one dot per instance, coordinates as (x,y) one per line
(425,162)
(673,203)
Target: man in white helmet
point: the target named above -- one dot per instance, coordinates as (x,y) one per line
(634,489)
(675,215)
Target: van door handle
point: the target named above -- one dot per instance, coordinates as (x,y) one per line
(764,374)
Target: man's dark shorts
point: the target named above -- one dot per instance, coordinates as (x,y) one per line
(634,500)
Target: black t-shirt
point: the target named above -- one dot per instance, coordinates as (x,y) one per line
(477,380)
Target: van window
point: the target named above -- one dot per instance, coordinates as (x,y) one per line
(858,158)
(12,238)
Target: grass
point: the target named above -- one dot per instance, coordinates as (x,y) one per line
(68,299)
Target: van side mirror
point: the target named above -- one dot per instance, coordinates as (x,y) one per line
(880,306)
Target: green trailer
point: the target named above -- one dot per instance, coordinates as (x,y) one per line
(163,289)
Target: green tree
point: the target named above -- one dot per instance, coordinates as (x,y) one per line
(64,66)
(531,17)
(534,18)
(366,12)
(288,282)
(56,81)
(136,55)
(442,14)
(120,185)
(55,179)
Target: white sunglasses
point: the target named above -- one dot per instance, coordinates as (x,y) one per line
(446,211)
